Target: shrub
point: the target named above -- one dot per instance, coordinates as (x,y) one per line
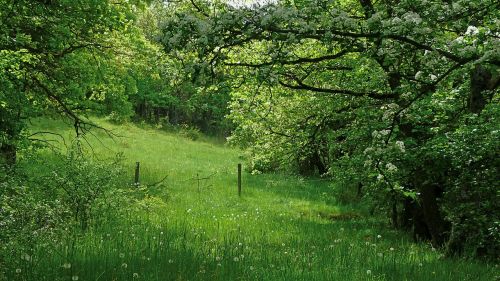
(81,181)
(189,132)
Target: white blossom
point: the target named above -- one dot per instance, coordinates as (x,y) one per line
(459,40)
(418,75)
(472,30)
(400,145)
(391,167)
(413,17)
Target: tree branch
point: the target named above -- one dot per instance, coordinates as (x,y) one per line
(293,62)
(301,86)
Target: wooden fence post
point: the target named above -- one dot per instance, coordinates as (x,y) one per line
(239,179)
(137,169)
(198,181)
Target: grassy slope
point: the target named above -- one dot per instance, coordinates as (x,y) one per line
(280,229)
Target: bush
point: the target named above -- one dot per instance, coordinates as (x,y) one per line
(27,217)
(471,200)
(81,181)
(189,132)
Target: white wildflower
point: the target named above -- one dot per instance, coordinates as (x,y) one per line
(26,257)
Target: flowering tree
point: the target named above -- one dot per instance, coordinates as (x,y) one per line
(384,94)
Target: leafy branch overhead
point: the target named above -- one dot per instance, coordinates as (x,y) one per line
(331,43)
(68,58)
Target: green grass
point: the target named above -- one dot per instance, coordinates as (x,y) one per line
(281,228)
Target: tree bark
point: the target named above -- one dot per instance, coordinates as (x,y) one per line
(434,220)
(480,81)
(8,154)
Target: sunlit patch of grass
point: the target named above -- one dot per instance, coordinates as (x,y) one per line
(282,228)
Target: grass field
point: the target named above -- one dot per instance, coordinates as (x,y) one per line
(281,228)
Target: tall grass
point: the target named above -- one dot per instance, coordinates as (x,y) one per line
(281,228)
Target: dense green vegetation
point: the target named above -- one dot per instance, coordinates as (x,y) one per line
(282,228)
(353,118)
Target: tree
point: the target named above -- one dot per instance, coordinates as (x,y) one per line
(63,58)
(390,86)
(172,90)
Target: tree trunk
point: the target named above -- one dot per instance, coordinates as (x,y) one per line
(433,218)
(8,154)
(316,162)
(481,80)
(412,218)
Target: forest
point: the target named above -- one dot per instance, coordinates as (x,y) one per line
(365,128)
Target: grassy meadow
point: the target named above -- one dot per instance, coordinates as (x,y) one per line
(281,228)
